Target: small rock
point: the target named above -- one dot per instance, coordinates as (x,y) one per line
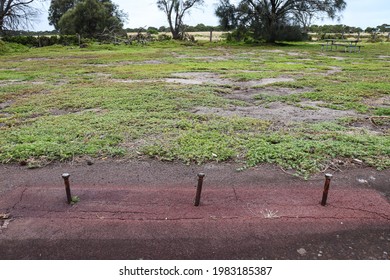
(4,216)
(89,162)
(362,181)
(302,251)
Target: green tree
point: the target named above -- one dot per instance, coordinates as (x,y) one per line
(91,18)
(227,14)
(383,28)
(272,15)
(57,9)
(175,10)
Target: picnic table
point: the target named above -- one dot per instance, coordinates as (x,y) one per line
(348,45)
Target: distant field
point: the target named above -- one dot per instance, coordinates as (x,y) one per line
(219,36)
(200,36)
(354,36)
(294,106)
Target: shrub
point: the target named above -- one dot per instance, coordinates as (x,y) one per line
(43,41)
(291,33)
(6,47)
(29,41)
(3,47)
(164,37)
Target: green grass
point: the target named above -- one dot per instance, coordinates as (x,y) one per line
(112,101)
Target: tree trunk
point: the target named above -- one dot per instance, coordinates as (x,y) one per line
(271,20)
(272,30)
(175,34)
(174,29)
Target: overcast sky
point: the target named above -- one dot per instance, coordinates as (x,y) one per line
(144,13)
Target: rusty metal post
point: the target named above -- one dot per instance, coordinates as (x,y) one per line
(326,189)
(199,189)
(66,176)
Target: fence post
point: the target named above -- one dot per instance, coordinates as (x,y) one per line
(199,189)
(326,189)
(66,176)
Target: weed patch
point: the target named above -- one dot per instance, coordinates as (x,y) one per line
(291,105)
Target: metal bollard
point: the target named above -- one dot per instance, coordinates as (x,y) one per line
(66,176)
(199,189)
(326,189)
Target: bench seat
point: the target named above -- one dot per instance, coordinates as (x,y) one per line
(347,47)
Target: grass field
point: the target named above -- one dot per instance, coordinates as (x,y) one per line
(291,105)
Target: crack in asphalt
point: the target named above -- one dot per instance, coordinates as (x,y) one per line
(365,211)
(101,217)
(20,199)
(324,217)
(137,219)
(235,194)
(100,214)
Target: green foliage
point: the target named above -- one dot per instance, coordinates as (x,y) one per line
(23,40)
(164,37)
(43,41)
(7,48)
(291,34)
(57,9)
(274,20)
(336,28)
(310,154)
(195,146)
(75,199)
(91,18)
(3,48)
(382,111)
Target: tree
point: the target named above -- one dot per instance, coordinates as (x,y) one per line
(91,18)
(383,28)
(175,11)
(16,13)
(241,18)
(227,14)
(57,9)
(276,14)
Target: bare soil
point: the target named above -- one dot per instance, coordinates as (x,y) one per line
(280,112)
(198,78)
(275,111)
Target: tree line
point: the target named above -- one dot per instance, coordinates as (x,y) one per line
(266,20)
(341,28)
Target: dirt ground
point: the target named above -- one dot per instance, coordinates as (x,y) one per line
(144,210)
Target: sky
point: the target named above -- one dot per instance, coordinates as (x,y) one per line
(144,13)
